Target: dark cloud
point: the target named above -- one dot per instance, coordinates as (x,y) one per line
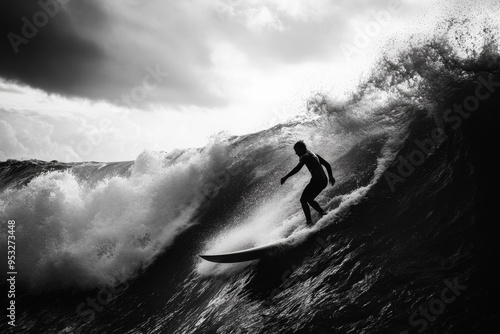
(54,57)
(101,49)
(89,50)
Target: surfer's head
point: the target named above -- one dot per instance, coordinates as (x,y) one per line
(300,148)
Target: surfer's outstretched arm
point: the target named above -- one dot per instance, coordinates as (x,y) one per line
(292,172)
(328,169)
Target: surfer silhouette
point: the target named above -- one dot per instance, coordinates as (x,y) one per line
(318,181)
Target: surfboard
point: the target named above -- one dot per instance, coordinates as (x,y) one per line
(250,254)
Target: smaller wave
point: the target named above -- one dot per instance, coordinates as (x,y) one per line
(72,232)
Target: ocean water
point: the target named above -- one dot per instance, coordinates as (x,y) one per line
(409,244)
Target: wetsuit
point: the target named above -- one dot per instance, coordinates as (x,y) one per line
(318,182)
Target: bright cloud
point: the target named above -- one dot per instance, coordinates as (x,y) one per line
(104,80)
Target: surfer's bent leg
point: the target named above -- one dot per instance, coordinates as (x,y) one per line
(310,192)
(317,189)
(316,207)
(304,199)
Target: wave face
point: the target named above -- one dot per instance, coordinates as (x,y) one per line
(407,216)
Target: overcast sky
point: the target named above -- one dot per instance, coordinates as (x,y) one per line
(104,80)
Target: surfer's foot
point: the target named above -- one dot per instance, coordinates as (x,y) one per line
(321,214)
(309,222)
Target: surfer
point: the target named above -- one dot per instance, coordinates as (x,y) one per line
(318,178)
